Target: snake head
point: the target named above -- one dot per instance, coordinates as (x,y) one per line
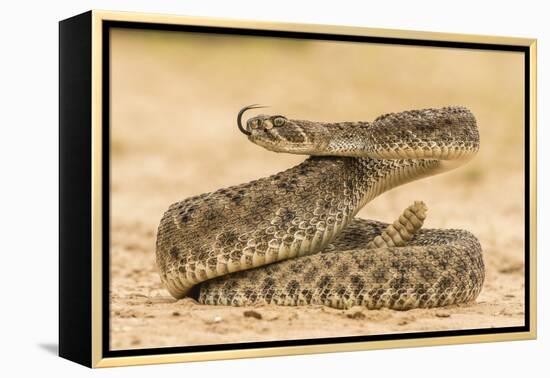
(280,134)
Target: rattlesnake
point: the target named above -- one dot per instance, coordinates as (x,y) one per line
(292,238)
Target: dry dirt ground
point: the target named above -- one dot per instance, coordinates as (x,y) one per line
(174,102)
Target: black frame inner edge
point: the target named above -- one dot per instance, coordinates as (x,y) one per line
(106,25)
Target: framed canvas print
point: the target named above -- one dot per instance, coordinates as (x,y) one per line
(235,189)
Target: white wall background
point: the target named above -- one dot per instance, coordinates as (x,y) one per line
(28,208)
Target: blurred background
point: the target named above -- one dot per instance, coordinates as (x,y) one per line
(174,102)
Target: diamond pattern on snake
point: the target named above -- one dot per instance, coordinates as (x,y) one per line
(293,238)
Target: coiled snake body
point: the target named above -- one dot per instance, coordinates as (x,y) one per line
(292,238)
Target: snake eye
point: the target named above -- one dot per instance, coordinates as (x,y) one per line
(279,121)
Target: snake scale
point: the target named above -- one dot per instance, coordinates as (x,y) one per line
(293,239)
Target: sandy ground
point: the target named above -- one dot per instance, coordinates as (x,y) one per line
(174,103)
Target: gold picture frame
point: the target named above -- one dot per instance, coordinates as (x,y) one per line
(83,259)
